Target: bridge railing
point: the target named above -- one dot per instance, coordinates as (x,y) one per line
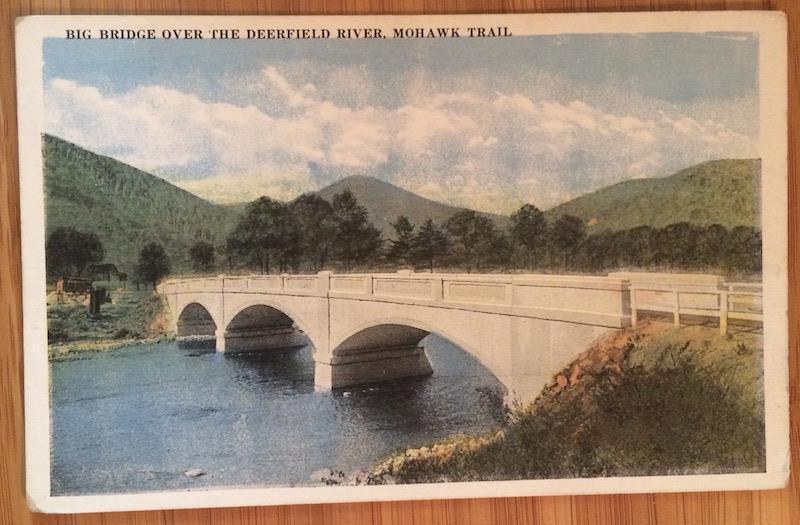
(286,283)
(616,300)
(586,299)
(591,300)
(743,301)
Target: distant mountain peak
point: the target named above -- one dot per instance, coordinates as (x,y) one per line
(385,202)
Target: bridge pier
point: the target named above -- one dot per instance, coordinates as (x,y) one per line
(370,365)
(220,336)
(261,339)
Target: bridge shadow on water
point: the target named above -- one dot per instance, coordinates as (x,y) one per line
(459,389)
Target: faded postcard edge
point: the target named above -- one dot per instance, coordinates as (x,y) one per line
(771,27)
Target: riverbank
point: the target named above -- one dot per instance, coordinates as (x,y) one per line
(654,400)
(131,318)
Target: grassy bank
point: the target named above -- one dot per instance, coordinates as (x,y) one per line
(651,401)
(131,317)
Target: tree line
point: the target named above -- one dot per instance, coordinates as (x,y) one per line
(310,234)
(69,252)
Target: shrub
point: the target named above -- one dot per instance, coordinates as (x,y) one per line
(678,402)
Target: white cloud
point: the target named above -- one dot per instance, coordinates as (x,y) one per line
(488,150)
(279,182)
(304,96)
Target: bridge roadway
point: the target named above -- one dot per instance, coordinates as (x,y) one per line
(368,327)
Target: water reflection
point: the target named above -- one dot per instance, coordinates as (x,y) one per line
(285,372)
(136,419)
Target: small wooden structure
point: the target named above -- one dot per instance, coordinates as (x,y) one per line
(73,285)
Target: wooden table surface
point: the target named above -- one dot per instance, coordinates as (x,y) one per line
(781,507)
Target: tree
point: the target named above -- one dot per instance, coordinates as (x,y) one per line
(744,250)
(641,246)
(230,250)
(595,253)
(567,234)
(400,250)
(68,250)
(429,244)
(261,234)
(290,254)
(357,240)
(711,246)
(472,237)
(316,227)
(202,255)
(500,251)
(678,244)
(528,232)
(153,264)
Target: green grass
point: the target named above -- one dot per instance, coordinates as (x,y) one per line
(654,401)
(132,316)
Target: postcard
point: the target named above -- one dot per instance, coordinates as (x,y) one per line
(277,260)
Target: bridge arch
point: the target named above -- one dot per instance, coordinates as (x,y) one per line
(390,349)
(522,328)
(257,325)
(195,321)
(382,329)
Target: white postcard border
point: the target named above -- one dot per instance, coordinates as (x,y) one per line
(771,28)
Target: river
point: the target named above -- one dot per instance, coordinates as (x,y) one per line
(137,418)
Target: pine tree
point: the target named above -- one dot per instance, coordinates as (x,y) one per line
(357,240)
(317,228)
(472,238)
(429,244)
(401,247)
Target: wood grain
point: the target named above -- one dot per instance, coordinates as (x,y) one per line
(768,507)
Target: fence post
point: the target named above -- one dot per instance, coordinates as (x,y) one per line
(676,311)
(634,311)
(723,312)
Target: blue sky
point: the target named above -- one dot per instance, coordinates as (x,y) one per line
(486,123)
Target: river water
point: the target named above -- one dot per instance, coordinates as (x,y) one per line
(137,418)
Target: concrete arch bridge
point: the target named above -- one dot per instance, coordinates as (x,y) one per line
(368,327)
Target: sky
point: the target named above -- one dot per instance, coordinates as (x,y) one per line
(488,124)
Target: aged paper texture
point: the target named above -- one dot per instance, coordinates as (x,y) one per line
(275,260)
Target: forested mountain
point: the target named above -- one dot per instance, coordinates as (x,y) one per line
(126,207)
(724,192)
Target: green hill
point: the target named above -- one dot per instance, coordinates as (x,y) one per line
(385,202)
(126,207)
(724,192)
